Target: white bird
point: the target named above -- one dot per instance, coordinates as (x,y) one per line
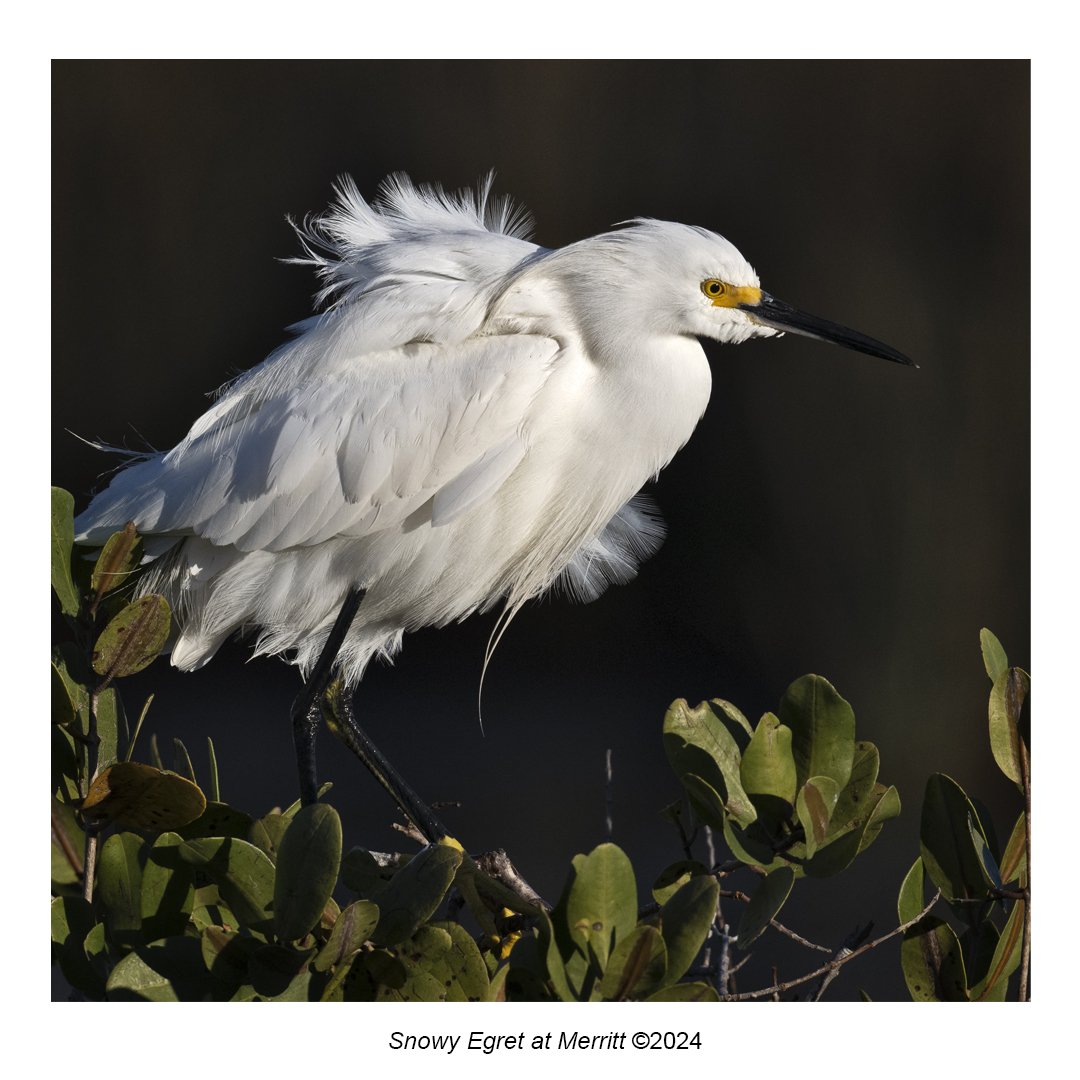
(467,422)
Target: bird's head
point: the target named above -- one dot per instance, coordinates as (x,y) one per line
(687,280)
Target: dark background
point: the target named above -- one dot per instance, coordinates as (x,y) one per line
(833,513)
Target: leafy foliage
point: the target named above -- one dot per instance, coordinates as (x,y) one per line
(960,857)
(191,898)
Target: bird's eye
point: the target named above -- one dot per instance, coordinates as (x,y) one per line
(712,288)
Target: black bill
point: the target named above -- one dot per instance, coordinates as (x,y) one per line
(780,316)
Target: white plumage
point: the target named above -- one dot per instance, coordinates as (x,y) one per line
(468,420)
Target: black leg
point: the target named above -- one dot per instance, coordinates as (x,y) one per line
(306,709)
(305,728)
(341,721)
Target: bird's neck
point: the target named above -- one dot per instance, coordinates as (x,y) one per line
(657,388)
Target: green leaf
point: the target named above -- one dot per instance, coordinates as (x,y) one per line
(497,985)
(1006,958)
(912,896)
(214,913)
(674,877)
(839,853)
(133,638)
(351,929)
(227,954)
(68,844)
(427,945)
(884,806)
(307,870)
(69,915)
(219,820)
(167,895)
(710,806)
(692,991)
(685,920)
(110,722)
(764,905)
(294,808)
(1011,687)
(119,887)
(72,921)
(697,742)
(133,979)
(119,559)
(460,967)
(637,965)
(768,768)
(182,761)
(748,849)
(602,904)
(1014,858)
(947,851)
(370,972)
(553,959)
(850,805)
(63,707)
(415,892)
(580,966)
(740,728)
(243,874)
(978,944)
(359,871)
(96,951)
(268,832)
(419,985)
(822,730)
(994,659)
(142,797)
(279,973)
(65,766)
(815,804)
(75,674)
(427,976)
(168,970)
(987,863)
(932,962)
(63,537)
(215,785)
(930,954)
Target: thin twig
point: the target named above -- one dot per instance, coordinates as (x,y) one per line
(797,937)
(723,974)
(743,898)
(779,988)
(687,841)
(410,830)
(722,870)
(710,848)
(495,864)
(708,971)
(851,942)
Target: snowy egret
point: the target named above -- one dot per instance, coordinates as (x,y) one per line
(468,421)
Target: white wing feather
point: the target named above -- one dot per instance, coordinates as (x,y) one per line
(404,405)
(345,457)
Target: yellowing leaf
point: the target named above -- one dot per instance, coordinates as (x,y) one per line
(143,797)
